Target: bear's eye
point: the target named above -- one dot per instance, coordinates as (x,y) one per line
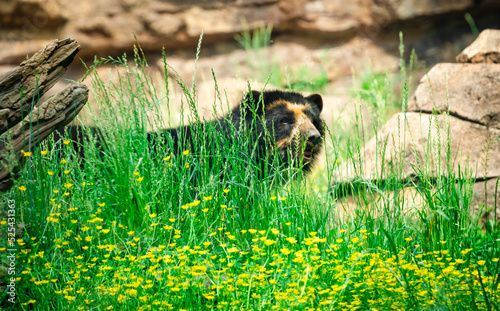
(286,120)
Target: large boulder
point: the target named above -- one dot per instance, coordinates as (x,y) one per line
(469,91)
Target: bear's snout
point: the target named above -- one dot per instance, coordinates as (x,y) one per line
(314,136)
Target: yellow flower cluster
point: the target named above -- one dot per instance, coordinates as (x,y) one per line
(274,271)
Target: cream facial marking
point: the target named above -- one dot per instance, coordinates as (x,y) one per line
(297,109)
(302,122)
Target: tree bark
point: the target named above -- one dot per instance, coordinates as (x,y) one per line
(22,87)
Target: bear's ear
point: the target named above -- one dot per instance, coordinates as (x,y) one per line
(316,100)
(253,100)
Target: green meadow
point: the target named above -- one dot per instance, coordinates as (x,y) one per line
(138,228)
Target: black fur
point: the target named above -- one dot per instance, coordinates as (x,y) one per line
(258,116)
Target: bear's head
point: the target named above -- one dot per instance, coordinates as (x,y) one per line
(289,122)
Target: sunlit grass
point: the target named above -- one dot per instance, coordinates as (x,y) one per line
(136,228)
(101,264)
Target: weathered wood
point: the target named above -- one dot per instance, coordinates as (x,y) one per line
(22,87)
(54,113)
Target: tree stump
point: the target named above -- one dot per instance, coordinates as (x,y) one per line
(23,122)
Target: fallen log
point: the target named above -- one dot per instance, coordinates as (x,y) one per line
(53,114)
(23,122)
(22,87)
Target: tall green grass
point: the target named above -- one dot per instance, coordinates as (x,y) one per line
(138,228)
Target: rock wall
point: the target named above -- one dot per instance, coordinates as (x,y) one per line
(108,26)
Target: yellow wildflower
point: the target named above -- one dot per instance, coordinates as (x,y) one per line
(195,203)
